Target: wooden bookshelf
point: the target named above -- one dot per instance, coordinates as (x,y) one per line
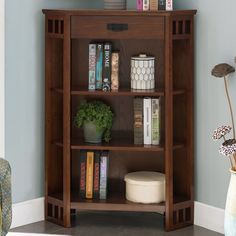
(169,37)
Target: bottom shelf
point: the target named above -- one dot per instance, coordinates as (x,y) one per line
(115,202)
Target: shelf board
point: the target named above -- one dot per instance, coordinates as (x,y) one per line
(121,92)
(116,145)
(116,202)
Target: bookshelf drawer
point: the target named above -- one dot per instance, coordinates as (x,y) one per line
(105,27)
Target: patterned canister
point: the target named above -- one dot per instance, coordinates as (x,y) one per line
(115,4)
(142,72)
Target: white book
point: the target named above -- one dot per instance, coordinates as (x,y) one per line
(169,5)
(147,121)
(156,121)
(103,175)
(92,66)
(145,5)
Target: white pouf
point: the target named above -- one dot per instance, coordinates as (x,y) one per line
(145,187)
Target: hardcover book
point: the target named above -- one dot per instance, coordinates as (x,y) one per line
(169,5)
(89,175)
(153,5)
(96,175)
(138,121)
(92,66)
(147,123)
(139,5)
(103,175)
(99,65)
(156,121)
(115,71)
(106,83)
(162,5)
(82,171)
(145,5)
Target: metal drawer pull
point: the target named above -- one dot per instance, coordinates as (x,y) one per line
(117,27)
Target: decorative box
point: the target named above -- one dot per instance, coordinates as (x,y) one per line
(145,187)
(142,72)
(115,4)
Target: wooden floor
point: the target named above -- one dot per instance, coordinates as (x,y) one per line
(113,224)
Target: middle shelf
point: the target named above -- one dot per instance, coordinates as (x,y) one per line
(120,92)
(117,144)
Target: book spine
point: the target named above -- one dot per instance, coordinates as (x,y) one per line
(96,175)
(153,5)
(89,175)
(162,5)
(139,5)
(115,61)
(138,120)
(145,5)
(147,110)
(92,66)
(169,5)
(82,167)
(103,175)
(106,83)
(99,63)
(156,121)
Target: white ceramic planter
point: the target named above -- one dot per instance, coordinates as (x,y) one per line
(230,209)
(145,187)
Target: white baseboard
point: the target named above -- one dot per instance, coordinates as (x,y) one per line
(209,217)
(32,211)
(28,212)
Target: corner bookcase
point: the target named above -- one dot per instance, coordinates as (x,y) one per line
(169,37)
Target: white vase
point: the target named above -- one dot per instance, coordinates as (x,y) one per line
(230,209)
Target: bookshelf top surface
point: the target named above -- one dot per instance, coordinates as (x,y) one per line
(101,12)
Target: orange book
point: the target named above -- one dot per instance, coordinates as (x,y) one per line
(89,175)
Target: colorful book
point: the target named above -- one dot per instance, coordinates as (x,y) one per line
(169,5)
(138,121)
(99,65)
(145,5)
(89,175)
(96,175)
(139,5)
(115,61)
(106,83)
(162,5)
(147,123)
(156,121)
(103,175)
(153,5)
(92,66)
(82,174)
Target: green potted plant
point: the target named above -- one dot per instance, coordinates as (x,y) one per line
(96,119)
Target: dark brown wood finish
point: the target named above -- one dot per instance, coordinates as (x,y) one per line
(169,37)
(66,121)
(168,123)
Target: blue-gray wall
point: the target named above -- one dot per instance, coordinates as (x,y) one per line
(215,42)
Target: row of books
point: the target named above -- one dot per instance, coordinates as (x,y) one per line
(103,67)
(154,5)
(147,120)
(93,174)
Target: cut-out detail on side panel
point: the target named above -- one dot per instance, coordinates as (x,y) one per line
(181,27)
(55,27)
(182,216)
(55,213)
